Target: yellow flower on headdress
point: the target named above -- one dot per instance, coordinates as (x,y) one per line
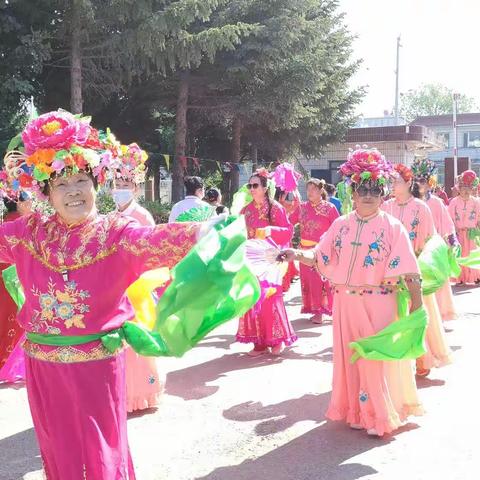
(51,127)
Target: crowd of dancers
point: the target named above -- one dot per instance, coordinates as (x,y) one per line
(358,255)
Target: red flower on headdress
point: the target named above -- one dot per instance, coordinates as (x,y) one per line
(262,172)
(404,172)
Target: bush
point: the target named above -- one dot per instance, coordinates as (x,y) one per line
(159,211)
(105,203)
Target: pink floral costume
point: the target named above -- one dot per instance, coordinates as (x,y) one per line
(74,280)
(314,221)
(144,385)
(446,229)
(364,259)
(466,215)
(267,325)
(417,218)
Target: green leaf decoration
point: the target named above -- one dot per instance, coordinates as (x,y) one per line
(15,142)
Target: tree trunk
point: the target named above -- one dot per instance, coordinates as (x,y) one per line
(180,135)
(254,154)
(236,144)
(76,101)
(156,183)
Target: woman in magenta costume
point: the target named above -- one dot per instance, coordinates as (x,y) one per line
(364,254)
(16,204)
(266,325)
(425,179)
(314,217)
(465,212)
(75,267)
(417,218)
(144,386)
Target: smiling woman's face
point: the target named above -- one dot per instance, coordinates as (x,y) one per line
(73,197)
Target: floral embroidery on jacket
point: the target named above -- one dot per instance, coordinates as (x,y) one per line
(394,263)
(58,306)
(338,242)
(414,224)
(377,250)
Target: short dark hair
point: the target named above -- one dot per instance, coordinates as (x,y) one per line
(10,205)
(212,194)
(330,188)
(192,184)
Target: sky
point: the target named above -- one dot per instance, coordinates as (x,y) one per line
(440,44)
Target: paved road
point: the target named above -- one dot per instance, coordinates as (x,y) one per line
(226,416)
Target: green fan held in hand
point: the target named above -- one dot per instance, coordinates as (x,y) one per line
(210,286)
(13,285)
(197,214)
(403,339)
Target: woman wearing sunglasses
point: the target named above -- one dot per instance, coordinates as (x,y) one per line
(425,178)
(465,213)
(364,254)
(266,325)
(418,220)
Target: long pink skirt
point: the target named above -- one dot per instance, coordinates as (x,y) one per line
(445,302)
(317,295)
(468,275)
(80,418)
(369,393)
(438,352)
(269,326)
(144,386)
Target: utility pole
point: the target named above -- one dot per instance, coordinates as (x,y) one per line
(397,75)
(455,137)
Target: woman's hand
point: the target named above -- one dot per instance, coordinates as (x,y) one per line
(287,255)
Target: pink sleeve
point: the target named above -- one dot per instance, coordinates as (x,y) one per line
(326,256)
(10,233)
(294,217)
(447,222)
(281,228)
(147,248)
(402,260)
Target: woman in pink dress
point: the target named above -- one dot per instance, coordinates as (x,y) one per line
(364,254)
(424,172)
(75,268)
(314,217)
(266,325)
(465,212)
(144,386)
(417,218)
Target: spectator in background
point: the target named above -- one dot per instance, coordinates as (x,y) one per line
(331,190)
(440,193)
(214,198)
(194,193)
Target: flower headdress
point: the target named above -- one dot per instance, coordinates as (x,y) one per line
(130,164)
(403,171)
(263,172)
(426,169)
(469,179)
(57,143)
(366,165)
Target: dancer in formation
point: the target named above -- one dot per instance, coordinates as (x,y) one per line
(425,177)
(365,254)
(75,267)
(144,385)
(16,205)
(266,325)
(418,221)
(465,212)
(314,217)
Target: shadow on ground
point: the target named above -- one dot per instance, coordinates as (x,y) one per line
(19,455)
(312,456)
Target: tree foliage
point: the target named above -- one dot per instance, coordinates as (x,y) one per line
(432,99)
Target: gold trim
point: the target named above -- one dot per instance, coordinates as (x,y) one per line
(66,354)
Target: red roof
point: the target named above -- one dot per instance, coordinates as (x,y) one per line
(447,120)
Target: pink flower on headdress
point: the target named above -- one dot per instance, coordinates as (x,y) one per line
(366,161)
(58,130)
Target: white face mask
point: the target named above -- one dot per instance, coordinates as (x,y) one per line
(122,197)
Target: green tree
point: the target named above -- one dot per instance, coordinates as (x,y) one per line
(432,99)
